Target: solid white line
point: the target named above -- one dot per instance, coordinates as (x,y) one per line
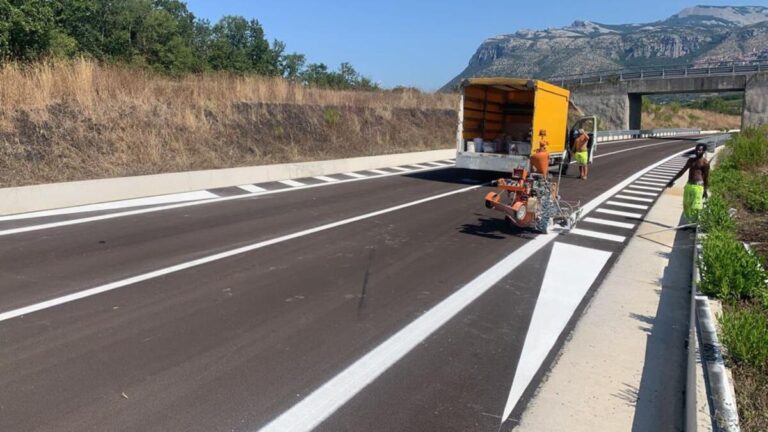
(631,198)
(400,169)
(190,204)
(292,183)
(627,205)
(252,188)
(216,257)
(639,193)
(598,235)
(609,223)
(646,188)
(651,183)
(376,171)
(326,179)
(635,148)
(325,400)
(620,213)
(354,175)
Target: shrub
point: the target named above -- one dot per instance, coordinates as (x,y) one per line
(745,336)
(728,270)
(715,217)
(331,116)
(749,149)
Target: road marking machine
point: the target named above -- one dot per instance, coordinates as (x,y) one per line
(520,126)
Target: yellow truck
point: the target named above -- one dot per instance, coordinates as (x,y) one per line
(502,122)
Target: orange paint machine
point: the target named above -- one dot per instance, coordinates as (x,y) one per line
(531,201)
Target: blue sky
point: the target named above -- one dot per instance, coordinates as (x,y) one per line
(421,43)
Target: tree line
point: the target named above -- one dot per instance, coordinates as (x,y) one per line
(162,35)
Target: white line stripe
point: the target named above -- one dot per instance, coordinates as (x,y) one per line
(651,183)
(646,188)
(635,148)
(656,177)
(631,198)
(292,183)
(609,223)
(189,204)
(670,172)
(418,166)
(326,179)
(449,161)
(627,205)
(252,188)
(216,257)
(400,168)
(598,235)
(620,213)
(640,193)
(354,175)
(324,401)
(435,164)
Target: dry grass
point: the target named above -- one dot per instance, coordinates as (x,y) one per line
(666,117)
(79,120)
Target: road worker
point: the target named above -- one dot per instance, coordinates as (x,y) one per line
(698,183)
(580,151)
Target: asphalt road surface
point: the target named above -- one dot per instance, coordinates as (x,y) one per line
(394,303)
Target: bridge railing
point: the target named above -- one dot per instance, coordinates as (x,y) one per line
(655,72)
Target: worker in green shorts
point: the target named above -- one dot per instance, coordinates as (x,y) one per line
(698,183)
(580,151)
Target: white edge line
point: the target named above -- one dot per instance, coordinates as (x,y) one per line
(194,203)
(216,257)
(325,400)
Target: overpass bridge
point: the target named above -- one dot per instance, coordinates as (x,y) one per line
(616,96)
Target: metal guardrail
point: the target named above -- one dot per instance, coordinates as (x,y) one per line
(614,135)
(689,70)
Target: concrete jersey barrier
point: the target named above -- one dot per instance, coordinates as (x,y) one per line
(60,195)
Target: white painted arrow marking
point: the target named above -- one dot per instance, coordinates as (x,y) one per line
(570,272)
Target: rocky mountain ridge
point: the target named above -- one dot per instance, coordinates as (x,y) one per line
(698,35)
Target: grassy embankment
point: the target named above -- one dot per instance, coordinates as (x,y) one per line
(79,120)
(736,275)
(674,115)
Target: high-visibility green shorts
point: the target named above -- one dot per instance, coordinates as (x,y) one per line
(693,201)
(582,158)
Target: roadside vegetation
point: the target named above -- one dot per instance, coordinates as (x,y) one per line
(705,114)
(737,214)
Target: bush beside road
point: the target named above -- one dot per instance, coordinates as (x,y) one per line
(734,273)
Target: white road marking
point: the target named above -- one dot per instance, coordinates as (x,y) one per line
(651,183)
(418,166)
(620,213)
(115,205)
(449,161)
(627,205)
(629,191)
(646,188)
(400,169)
(635,148)
(252,188)
(571,270)
(609,223)
(631,198)
(436,164)
(598,235)
(189,204)
(216,257)
(656,177)
(325,400)
(327,179)
(292,183)
(354,175)
(670,172)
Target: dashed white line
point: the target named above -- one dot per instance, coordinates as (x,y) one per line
(354,175)
(292,183)
(646,188)
(627,205)
(252,188)
(631,198)
(620,213)
(609,223)
(598,235)
(326,179)
(629,191)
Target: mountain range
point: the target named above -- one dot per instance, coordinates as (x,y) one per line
(696,35)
